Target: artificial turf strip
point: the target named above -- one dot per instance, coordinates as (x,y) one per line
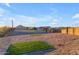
(26,47)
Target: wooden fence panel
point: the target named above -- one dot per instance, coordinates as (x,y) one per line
(70,31)
(64,31)
(76,31)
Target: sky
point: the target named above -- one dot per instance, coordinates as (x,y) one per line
(40,14)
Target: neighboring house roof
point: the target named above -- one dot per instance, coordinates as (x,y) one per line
(20,27)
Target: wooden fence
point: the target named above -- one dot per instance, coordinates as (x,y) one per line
(70,31)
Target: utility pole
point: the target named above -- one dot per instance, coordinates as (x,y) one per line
(12,23)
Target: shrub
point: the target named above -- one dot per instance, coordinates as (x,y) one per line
(3,31)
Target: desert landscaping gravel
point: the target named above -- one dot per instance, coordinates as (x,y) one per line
(60,41)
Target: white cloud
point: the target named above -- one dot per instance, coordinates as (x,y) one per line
(54,23)
(11,18)
(32,21)
(7,4)
(35,21)
(24,20)
(48,20)
(55,20)
(76,22)
(76,16)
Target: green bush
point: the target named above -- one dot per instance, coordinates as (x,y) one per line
(26,47)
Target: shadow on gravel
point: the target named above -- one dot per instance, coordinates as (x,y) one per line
(40,52)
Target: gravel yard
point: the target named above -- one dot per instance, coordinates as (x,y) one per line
(57,39)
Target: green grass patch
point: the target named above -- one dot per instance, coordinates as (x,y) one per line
(26,47)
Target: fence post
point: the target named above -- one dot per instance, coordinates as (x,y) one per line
(73,30)
(67,30)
